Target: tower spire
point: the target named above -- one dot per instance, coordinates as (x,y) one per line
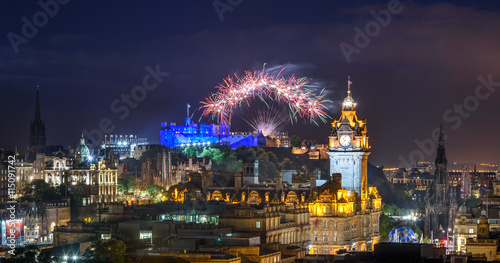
(37,127)
(349,85)
(441,135)
(38,115)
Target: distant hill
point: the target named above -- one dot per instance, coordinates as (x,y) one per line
(385,188)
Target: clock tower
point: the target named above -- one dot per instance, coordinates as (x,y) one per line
(349,148)
(483,227)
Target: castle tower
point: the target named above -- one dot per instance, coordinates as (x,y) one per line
(37,127)
(349,147)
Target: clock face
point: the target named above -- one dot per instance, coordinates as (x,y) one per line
(345,140)
(482,230)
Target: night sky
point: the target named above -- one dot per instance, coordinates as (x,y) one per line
(406,80)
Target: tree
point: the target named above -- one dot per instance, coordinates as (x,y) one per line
(245,153)
(267,169)
(392,210)
(154,190)
(295,141)
(30,253)
(287,164)
(385,226)
(222,159)
(126,183)
(216,155)
(40,190)
(472,202)
(103,251)
(190,151)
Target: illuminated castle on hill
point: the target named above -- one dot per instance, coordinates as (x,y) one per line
(193,134)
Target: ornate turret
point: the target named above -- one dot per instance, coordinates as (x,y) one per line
(349,123)
(348,103)
(82,152)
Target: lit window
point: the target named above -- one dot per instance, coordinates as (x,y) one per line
(145,234)
(258,224)
(471,230)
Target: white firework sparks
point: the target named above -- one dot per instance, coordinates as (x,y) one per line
(267,120)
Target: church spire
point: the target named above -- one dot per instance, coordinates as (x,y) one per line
(38,115)
(441,136)
(37,128)
(441,161)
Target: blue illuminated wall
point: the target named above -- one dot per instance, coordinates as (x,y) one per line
(192,134)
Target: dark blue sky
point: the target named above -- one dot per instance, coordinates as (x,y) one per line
(410,75)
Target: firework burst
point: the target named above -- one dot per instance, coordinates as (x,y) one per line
(267,120)
(239,90)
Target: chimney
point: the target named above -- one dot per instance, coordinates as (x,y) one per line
(337,178)
(312,182)
(237,181)
(279,182)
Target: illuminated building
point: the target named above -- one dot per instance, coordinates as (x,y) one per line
(89,179)
(192,134)
(344,213)
(276,213)
(467,219)
(42,217)
(123,145)
(483,247)
(278,139)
